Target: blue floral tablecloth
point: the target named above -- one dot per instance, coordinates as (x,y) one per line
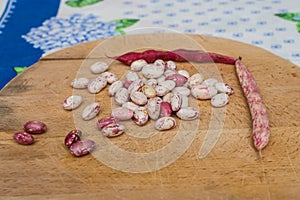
(30,29)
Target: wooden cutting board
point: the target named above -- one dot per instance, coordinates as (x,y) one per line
(143,163)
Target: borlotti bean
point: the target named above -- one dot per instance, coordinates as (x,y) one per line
(105,121)
(96,85)
(140,116)
(138,65)
(210,82)
(151,82)
(195,79)
(82,147)
(179,79)
(138,98)
(72,102)
(169,72)
(72,137)
(80,83)
(35,127)
(171,65)
(219,100)
(181,90)
(99,67)
(121,96)
(90,111)
(188,113)
(224,88)
(169,84)
(165,109)
(167,97)
(122,113)
(130,105)
(113,130)
(176,102)
(165,123)
(184,73)
(153,107)
(184,101)
(135,86)
(149,91)
(110,77)
(114,87)
(203,92)
(23,138)
(152,70)
(131,76)
(161,90)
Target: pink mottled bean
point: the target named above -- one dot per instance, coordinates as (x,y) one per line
(82,147)
(105,121)
(90,111)
(179,79)
(165,109)
(113,130)
(188,113)
(35,127)
(122,113)
(72,137)
(121,96)
(140,116)
(165,123)
(176,102)
(23,138)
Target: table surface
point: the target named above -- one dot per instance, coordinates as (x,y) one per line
(30,29)
(142,163)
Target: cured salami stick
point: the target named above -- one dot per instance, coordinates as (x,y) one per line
(260,121)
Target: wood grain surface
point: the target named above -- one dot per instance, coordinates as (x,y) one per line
(142,163)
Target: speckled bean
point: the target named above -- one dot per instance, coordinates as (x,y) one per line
(99,67)
(122,113)
(161,90)
(113,130)
(179,79)
(105,121)
(114,87)
(91,111)
(169,84)
(167,97)
(203,92)
(110,77)
(153,107)
(135,86)
(176,102)
(35,127)
(23,138)
(96,85)
(72,102)
(184,73)
(219,100)
(149,91)
(151,82)
(182,91)
(82,147)
(72,137)
(184,101)
(138,65)
(152,71)
(188,113)
(138,98)
(121,96)
(140,116)
(165,109)
(195,79)
(165,123)
(224,88)
(132,76)
(210,82)
(130,105)
(80,83)
(171,65)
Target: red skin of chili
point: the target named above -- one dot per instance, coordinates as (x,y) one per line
(260,121)
(178,55)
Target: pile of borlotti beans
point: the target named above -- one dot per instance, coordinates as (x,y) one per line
(156,91)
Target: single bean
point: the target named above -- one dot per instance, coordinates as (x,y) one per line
(153,107)
(122,113)
(113,130)
(96,85)
(23,138)
(130,105)
(121,96)
(188,113)
(114,87)
(176,102)
(195,79)
(99,67)
(140,116)
(80,83)
(72,102)
(161,90)
(169,84)
(132,76)
(82,147)
(210,82)
(219,100)
(181,90)
(138,65)
(105,121)
(35,127)
(149,91)
(171,65)
(184,73)
(203,92)
(72,137)
(224,88)
(91,111)
(165,109)
(138,98)
(165,123)
(152,71)
(179,79)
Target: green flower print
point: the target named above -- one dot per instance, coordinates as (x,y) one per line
(294,17)
(81,3)
(19,69)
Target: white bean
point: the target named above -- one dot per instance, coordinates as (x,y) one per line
(153,107)
(203,92)
(121,96)
(219,100)
(169,84)
(188,113)
(138,65)
(99,67)
(195,79)
(210,82)
(122,113)
(80,83)
(176,102)
(140,116)
(152,71)
(130,105)
(182,91)
(171,65)
(224,88)
(138,98)
(132,76)
(161,90)
(114,87)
